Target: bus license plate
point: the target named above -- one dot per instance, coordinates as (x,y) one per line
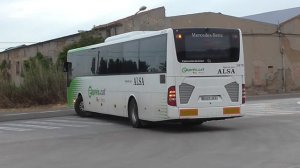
(208,98)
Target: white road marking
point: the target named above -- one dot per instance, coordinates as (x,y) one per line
(77,118)
(50,124)
(298,102)
(55,124)
(30,126)
(267,114)
(16,114)
(264,109)
(14,129)
(80,122)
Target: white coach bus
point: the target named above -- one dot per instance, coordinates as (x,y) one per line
(190,75)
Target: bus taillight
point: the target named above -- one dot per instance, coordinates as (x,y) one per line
(172,96)
(243,93)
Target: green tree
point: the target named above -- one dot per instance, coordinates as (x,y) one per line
(4,67)
(86,39)
(43,83)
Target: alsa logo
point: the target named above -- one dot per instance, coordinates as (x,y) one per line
(226,71)
(138,81)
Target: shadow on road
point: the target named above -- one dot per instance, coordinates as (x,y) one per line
(177,127)
(166,127)
(111,119)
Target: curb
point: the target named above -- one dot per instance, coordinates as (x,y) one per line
(36,115)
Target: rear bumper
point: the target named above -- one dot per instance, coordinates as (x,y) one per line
(204,113)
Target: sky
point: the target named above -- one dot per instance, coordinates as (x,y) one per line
(24,21)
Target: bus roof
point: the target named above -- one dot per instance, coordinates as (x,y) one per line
(122,38)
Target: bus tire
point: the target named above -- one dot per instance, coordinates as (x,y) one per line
(79,107)
(133,114)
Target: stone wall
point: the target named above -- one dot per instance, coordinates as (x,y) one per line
(49,49)
(272,57)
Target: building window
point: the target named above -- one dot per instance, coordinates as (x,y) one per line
(108,33)
(18,68)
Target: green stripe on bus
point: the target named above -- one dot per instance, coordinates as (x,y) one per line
(73,90)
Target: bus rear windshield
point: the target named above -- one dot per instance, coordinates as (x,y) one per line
(207,45)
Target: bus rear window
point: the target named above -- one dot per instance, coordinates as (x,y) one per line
(207,45)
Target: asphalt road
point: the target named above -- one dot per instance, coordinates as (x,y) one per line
(267,137)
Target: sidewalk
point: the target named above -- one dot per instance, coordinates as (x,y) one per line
(272,96)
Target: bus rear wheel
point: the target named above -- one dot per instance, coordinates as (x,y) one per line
(133,114)
(79,108)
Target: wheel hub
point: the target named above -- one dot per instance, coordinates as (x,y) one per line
(81,106)
(133,117)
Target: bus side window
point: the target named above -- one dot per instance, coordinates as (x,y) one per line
(66,66)
(93,67)
(102,68)
(68,69)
